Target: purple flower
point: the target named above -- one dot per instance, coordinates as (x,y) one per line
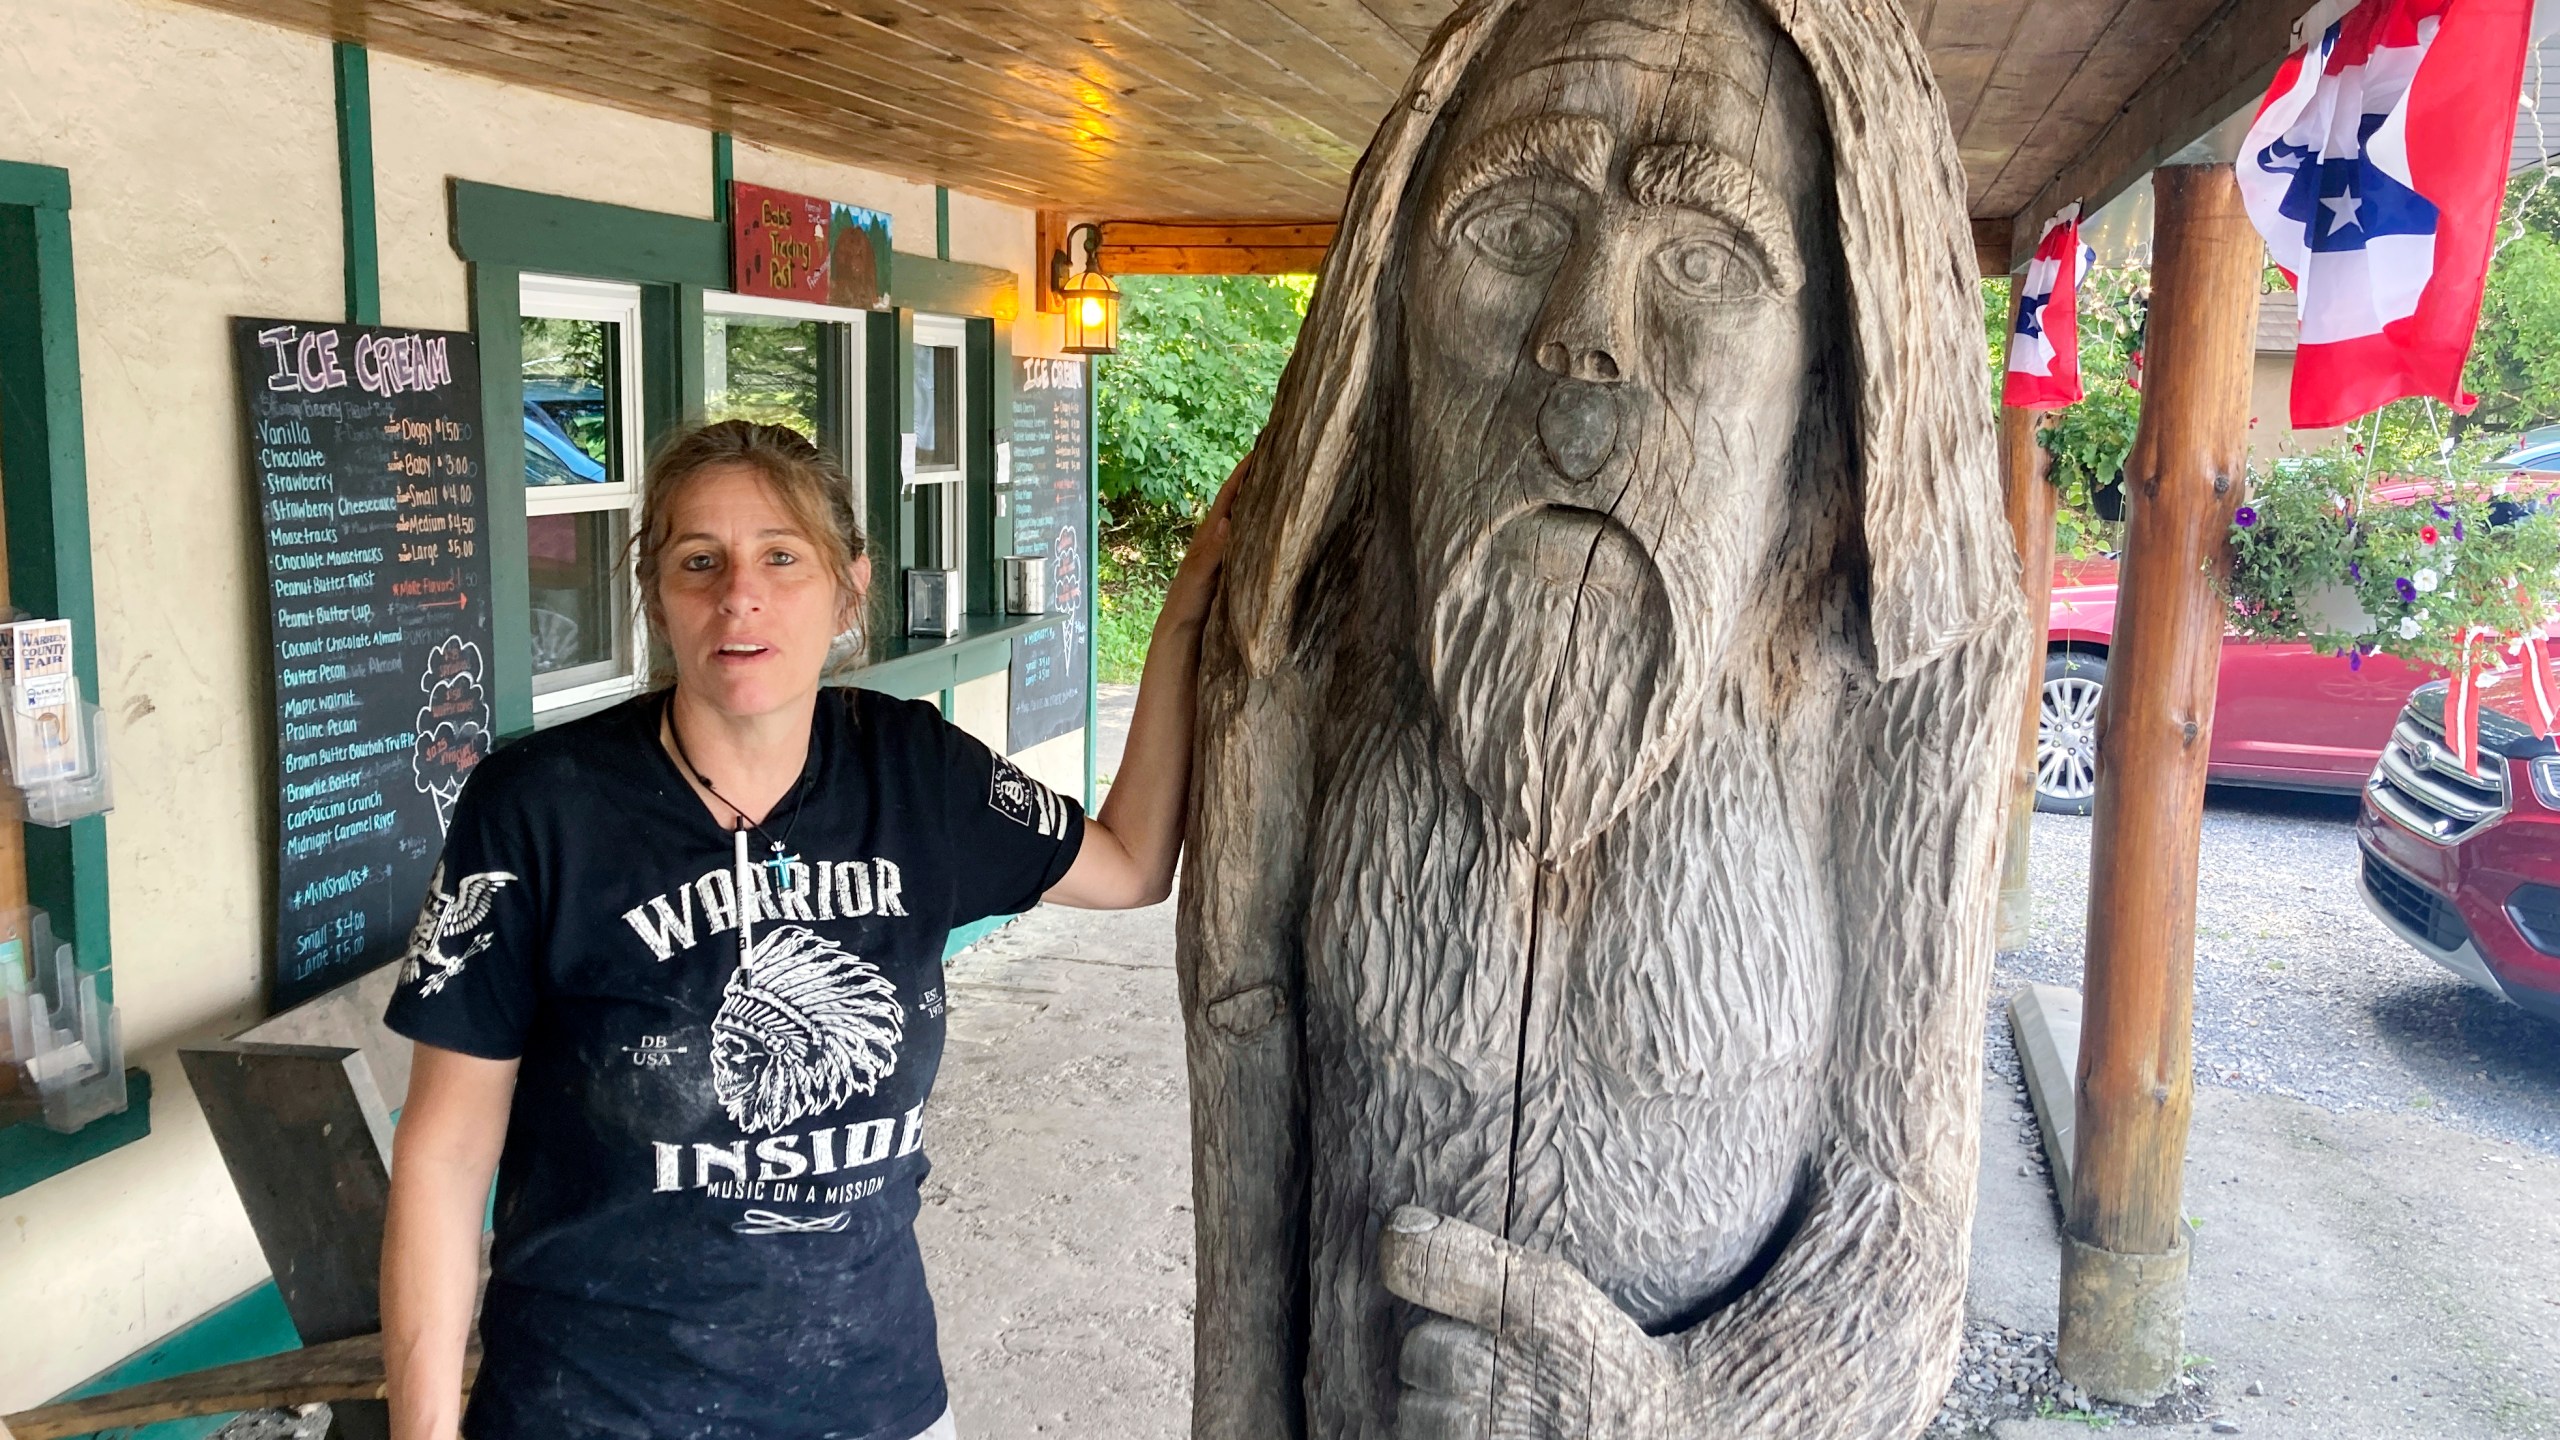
(2442,513)
(2246,516)
(2457,529)
(2355,571)
(2408,592)
(2355,659)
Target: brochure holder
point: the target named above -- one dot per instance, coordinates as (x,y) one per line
(56,800)
(64,1039)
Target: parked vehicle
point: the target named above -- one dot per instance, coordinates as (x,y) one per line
(551,413)
(2467,868)
(2285,716)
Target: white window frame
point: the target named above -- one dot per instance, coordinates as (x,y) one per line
(849,403)
(952,333)
(560,297)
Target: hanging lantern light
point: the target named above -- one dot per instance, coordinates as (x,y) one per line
(1091,301)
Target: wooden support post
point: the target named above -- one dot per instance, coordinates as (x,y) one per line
(2125,1249)
(2029,492)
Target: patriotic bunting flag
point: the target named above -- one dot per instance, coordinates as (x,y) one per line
(2374,169)
(2044,344)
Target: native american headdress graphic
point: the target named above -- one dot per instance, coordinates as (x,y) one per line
(803,1024)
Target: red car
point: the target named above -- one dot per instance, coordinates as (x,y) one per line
(2284,716)
(2467,868)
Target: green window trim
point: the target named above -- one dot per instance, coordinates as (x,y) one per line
(676,260)
(355,181)
(44,472)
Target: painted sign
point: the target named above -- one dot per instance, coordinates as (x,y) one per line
(364,444)
(799,247)
(1051,512)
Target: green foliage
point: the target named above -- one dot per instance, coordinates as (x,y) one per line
(2088,441)
(2515,366)
(1200,357)
(1125,617)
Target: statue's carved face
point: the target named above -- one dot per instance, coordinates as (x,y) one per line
(1613,278)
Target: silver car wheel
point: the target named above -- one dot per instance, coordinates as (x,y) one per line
(2067,738)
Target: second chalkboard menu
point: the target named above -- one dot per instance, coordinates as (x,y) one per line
(365,447)
(1052,517)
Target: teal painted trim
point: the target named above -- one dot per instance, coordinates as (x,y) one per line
(978,462)
(941,223)
(251,1327)
(953,287)
(497,302)
(44,459)
(672,370)
(973,932)
(724,169)
(355,182)
(30,1153)
(1092,585)
(524,230)
(44,186)
(913,667)
(945,702)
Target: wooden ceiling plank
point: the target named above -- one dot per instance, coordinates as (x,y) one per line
(2053,38)
(1267,114)
(800,70)
(2137,40)
(1353,31)
(2219,70)
(1978,34)
(692,101)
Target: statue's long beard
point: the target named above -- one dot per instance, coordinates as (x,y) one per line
(1554,660)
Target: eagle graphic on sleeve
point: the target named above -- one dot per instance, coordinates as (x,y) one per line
(803,1025)
(446,917)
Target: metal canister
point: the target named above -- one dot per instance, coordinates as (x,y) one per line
(933,602)
(1026,584)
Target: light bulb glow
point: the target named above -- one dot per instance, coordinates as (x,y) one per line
(1092,313)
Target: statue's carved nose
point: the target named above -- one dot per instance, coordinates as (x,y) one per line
(1577,362)
(1578,428)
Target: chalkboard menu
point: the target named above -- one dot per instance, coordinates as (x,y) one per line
(364,444)
(1052,517)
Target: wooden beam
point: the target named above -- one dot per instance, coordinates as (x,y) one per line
(1991,247)
(1048,238)
(1214,247)
(2029,493)
(2124,1260)
(343,1370)
(2221,69)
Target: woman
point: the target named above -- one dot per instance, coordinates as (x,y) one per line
(679,984)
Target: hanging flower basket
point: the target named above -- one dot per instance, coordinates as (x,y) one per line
(2455,573)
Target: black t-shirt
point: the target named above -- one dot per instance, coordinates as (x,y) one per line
(706,1199)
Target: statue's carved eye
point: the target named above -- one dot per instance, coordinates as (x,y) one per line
(1521,234)
(1711,269)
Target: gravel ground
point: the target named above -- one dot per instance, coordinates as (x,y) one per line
(2299,990)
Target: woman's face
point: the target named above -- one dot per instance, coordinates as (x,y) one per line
(746,600)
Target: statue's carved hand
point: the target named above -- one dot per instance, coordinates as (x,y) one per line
(1521,1346)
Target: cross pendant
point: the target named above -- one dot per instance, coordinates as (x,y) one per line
(781,864)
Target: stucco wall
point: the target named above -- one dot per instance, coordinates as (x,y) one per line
(203,158)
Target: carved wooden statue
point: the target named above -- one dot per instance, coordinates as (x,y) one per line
(1603,742)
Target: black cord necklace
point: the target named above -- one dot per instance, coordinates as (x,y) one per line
(778,862)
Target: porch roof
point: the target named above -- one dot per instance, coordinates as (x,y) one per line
(1227,109)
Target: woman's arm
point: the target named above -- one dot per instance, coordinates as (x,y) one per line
(443,1153)
(1130,849)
